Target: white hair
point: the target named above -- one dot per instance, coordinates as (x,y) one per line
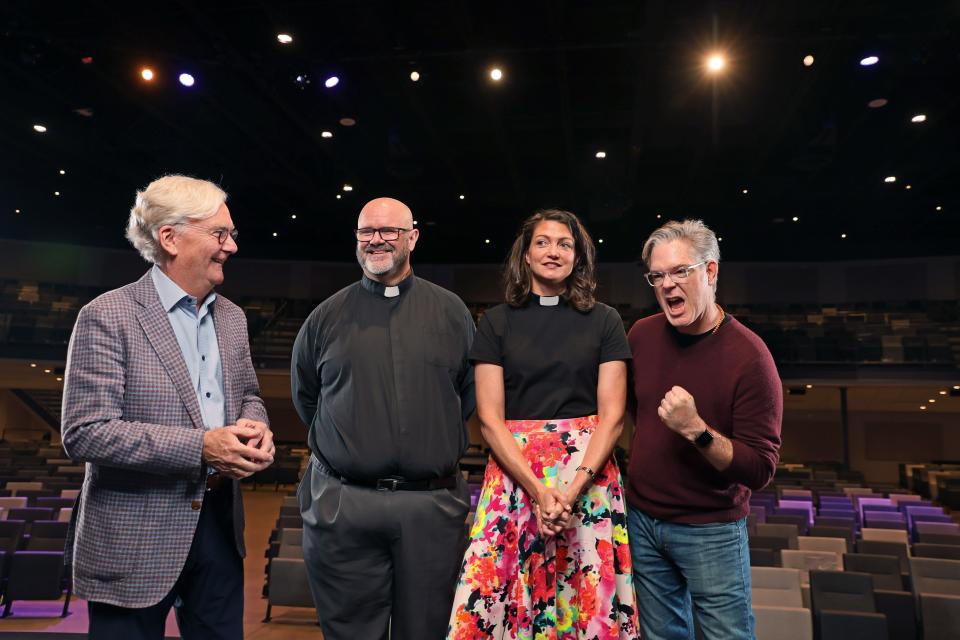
(702,240)
(170,200)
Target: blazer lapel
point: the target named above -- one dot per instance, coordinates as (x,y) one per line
(231,411)
(156,325)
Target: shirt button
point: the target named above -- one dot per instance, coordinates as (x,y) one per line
(204,358)
(196,504)
(208,394)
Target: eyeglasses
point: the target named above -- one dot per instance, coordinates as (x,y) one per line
(655,278)
(387,234)
(220,233)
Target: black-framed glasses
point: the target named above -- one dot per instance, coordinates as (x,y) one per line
(655,278)
(387,234)
(220,233)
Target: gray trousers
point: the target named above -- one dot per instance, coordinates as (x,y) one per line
(380,560)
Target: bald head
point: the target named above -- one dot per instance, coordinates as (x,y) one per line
(386,261)
(385,212)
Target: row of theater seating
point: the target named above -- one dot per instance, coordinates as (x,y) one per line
(32,562)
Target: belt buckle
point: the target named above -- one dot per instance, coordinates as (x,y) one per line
(387,484)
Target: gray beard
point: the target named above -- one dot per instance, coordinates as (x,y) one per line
(397,257)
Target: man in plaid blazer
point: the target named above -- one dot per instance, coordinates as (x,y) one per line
(162,403)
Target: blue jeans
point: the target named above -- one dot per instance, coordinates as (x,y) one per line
(679,568)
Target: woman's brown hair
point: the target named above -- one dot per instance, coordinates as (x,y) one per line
(582,281)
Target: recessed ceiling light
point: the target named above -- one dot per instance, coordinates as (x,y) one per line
(56,193)
(658,216)
(809,386)
(347,122)
(339,196)
(908,187)
(415,76)
(326,134)
(890,179)
(600,240)
(293,216)
(957,387)
(59,379)
(331,82)
(843,235)
(39,128)
(943,392)
(876,103)
(601,154)
(939,208)
(186,79)
(716,62)
(462,196)
(931,400)
(720,239)
(487,241)
(87,59)
(920,117)
(414,223)
(274,234)
(284,38)
(923,407)
(63,172)
(347,187)
(808,61)
(796,219)
(46,370)
(869,61)
(147,74)
(745,191)
(16,210)
(33,364)
(496,74)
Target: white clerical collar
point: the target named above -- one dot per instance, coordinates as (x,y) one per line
(549,301)
(391,292)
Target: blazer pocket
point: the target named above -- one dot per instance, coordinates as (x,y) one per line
(109,538)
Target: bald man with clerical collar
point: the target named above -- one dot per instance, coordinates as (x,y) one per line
(380,375)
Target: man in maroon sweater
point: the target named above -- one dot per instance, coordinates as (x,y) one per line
(707,404)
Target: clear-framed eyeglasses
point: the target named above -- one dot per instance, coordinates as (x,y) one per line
(680,274)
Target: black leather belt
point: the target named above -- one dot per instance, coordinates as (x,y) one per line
(391,484)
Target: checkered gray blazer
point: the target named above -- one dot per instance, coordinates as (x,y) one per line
(131,413)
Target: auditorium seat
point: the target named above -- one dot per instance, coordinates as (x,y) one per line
(885,535)
(288,584)
(930,550)
(36,575)
(776,586)
(936,585)
(845,533)
(844,607)
(24,486)
(881,547)
(807,561)
(13,503)
(782,623)
(774,530)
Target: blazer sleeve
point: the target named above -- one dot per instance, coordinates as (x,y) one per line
(93,427)
(251,404)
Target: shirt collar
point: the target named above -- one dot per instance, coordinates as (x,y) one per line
(171,294)
(379,289)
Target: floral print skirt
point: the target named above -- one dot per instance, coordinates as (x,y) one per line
(515,584)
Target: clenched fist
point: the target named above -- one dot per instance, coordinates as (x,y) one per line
(678,411)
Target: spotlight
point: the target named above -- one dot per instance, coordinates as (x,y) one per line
(716,63)
(890,179)
(284,38)
(302,80)
(415,76)
(16,210)
(462,196)
(274,234)
(487,241)
(745,191)
(808,61)
(869,61)
(876,103)
(186,79)
(331,82)
(147,74)
(326,134)
(600,240)
(796,219)
(939,208)
(293,216)
(56,193)
(39,128)
(347,122)
(601,154)
(496,74)
(339,196)
(33,365)
(347,187)
(920,117)
(63,172)
(843,236)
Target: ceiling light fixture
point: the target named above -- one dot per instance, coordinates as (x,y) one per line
(796,219)
(601,154)
(284,38)
(274,234)
(876,103)
(808,61)
(347,122)
(939,208)
(39,128)
(920,117)
(869,61)
(293,216)
(843,236)
(186,79)
(326,134)
(908,187)
(415,76)
(716,63)
(487,241)
(331,82)
(462,196)
(147,74)
(496,74)
(347,187)
(890,179)
(63,172)
(745,191)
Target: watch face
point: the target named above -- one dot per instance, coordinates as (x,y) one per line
(704,439)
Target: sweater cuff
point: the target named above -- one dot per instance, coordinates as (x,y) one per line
(747,467)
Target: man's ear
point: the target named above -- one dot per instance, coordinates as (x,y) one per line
(167,235)
(412,236)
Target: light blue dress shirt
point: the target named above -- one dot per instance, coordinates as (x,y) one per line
(197,337)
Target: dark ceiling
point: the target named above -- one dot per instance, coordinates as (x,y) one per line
(624,77)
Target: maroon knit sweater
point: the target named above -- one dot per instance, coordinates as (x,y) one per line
(735,385)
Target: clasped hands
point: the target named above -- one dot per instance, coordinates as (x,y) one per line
(554,511)
(239,450)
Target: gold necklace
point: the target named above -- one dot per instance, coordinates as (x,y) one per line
(720,321)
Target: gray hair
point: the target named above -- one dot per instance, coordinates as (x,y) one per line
(170,200)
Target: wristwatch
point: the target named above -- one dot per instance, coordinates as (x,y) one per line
(704,440)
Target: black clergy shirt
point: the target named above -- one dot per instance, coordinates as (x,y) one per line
(384,383)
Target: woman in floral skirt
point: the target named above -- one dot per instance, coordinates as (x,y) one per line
(548,555)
